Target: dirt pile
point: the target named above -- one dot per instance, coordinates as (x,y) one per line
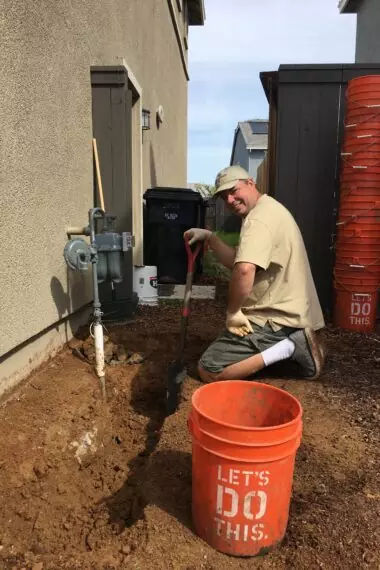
(95,486)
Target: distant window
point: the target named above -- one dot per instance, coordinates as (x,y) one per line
(259,128)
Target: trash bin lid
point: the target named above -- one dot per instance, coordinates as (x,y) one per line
(173,194)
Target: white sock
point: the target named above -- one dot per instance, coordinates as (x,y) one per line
(279,351)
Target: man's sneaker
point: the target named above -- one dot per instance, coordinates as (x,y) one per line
(309,352)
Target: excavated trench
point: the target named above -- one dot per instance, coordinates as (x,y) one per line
(93,486)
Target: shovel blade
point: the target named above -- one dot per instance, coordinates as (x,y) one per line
(176,375)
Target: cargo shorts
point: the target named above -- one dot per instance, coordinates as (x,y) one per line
(229,348)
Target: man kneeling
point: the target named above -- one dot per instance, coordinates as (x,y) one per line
(273,310)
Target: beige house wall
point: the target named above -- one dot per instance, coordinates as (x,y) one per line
(46,177)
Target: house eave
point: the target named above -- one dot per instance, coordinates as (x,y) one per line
(269,81)
(234,144)
(348,6)
(196,12)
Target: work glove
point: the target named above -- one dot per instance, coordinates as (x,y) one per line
(197,234)
(237,323)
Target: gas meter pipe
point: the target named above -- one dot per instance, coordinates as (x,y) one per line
(77,231)
(97,323)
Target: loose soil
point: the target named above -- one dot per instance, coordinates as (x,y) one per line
(95,486)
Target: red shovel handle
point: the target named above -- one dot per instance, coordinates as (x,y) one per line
(191,255)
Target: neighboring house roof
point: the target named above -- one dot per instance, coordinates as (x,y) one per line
(348,6)
(255,135)
(196,12)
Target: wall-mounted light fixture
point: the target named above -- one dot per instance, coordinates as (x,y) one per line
(145,120)
(160,114)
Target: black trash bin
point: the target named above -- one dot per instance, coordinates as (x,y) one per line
(169,212)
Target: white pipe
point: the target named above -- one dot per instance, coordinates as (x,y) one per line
(75,230)
(99,355)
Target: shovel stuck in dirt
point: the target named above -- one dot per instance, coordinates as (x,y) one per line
(177,369)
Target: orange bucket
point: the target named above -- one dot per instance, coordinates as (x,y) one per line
(354,155)
(363,185)
(361,145)
(364,189)
(359,118)
(361,275)
(353,233)
(363,83)
(366,212)
(369,126)
(366,163)
(368,259)
(364,251)
(355,311)
(245,436)
(361,100)
(345,282)
(361,203)
(358,270)
(359,258)
(362,111)
(358,176)
(360,172)
(355,116)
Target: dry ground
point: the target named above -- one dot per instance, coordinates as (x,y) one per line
(89,486)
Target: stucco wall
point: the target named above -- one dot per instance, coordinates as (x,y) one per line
(368,32)
(46,129)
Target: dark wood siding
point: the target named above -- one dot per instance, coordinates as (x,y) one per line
(112,128)
(307,106)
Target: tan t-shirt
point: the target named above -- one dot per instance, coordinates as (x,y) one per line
(283,292)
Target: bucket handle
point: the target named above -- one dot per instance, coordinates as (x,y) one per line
(357,232)
(341,285)
(366,119)
(352,189)
(360,104)
(354,217)
(357,263)
(365,147)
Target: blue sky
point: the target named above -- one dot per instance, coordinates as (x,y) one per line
(240,38)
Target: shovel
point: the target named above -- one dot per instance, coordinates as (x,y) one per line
(177,369)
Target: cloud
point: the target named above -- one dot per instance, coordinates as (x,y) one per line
(240,39)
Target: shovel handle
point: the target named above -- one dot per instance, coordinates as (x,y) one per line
(191,255)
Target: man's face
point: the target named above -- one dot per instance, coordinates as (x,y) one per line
(241,198)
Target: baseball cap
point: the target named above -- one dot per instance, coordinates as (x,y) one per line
(227,178)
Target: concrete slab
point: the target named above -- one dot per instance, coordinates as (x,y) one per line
(178,291)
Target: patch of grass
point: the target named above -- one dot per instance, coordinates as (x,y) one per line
(229,238)
(211,267)
(170,302)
